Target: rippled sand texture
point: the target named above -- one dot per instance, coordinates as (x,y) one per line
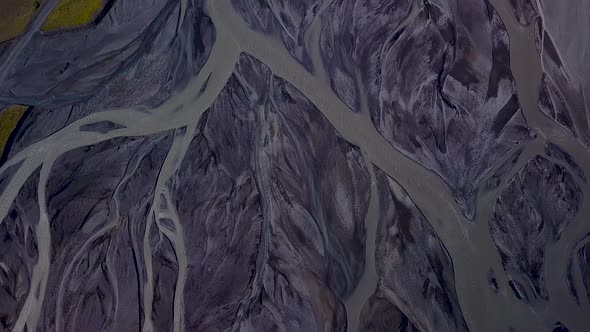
(298,165)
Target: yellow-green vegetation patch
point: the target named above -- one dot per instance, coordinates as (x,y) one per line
(14,17)
(9,118)
(73,13)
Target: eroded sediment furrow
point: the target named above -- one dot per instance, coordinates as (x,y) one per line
(415,269)
(115,59)
(178,241)
(261,163)
(578,278)
(16,49)
(171,164)
(425,188)
(430,67)
(367,285)
(527,70)
(31,310)
(183,108)
(564,56)
(114,220)
(311,41)
(464,270)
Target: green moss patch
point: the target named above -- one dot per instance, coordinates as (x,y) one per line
(14,17)
(9,118)
(73,13)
